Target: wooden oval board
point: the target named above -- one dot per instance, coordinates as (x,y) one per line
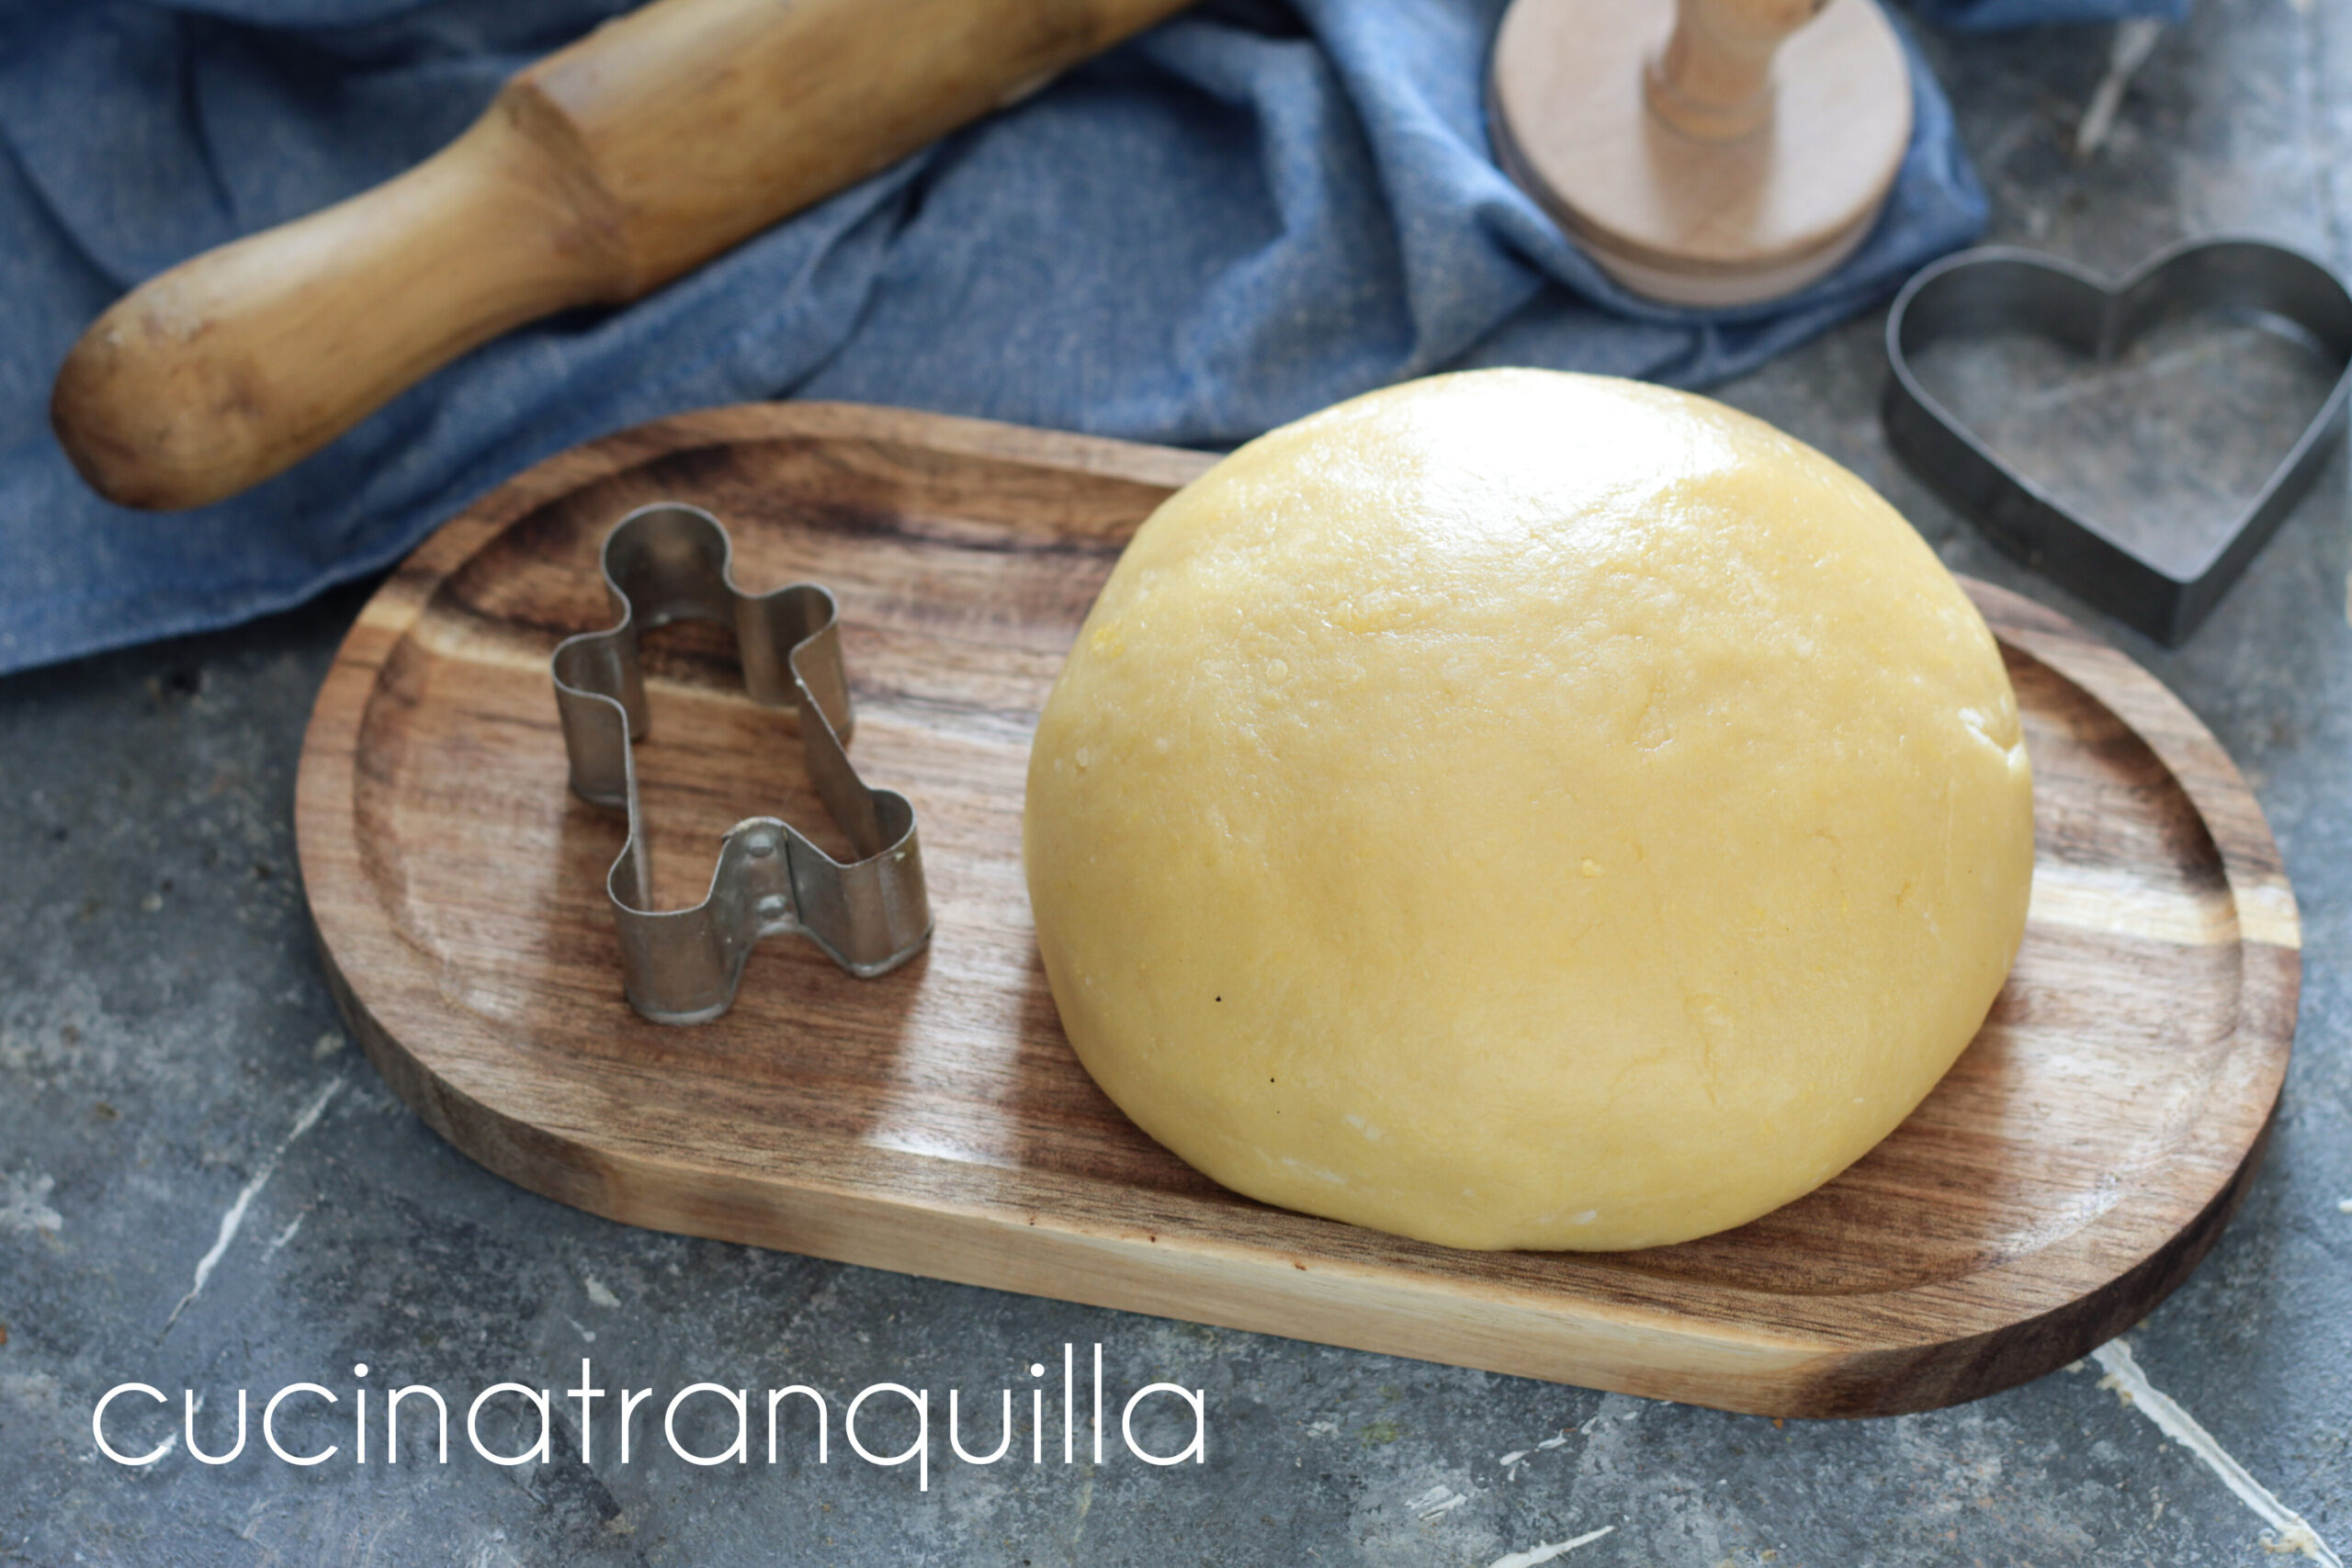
(2066,1175)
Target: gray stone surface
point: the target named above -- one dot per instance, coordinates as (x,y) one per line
(164,1033)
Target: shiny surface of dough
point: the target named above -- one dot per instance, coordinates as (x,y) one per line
(1518,809)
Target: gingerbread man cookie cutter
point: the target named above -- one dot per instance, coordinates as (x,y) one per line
(670,563)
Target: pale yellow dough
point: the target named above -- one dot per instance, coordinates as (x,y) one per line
(1517,810)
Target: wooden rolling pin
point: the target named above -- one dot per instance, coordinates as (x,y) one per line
(597,176)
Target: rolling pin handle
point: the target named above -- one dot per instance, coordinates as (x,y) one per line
(237,363)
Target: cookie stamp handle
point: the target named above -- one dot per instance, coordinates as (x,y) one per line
(597,176)
(1714,80)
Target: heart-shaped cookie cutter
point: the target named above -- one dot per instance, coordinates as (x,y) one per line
(1997,289)
(668,562)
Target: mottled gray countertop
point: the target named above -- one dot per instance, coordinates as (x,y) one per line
(170,1059)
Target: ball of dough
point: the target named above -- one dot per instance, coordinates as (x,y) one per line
(1517,810)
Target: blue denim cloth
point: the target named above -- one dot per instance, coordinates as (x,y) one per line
(1994,15)
(1245,214)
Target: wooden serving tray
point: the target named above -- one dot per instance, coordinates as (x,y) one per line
(2070,1171)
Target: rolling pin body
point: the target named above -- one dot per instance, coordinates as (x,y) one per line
(597,176)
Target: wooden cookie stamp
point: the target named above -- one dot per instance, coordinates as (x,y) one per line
(1733,152)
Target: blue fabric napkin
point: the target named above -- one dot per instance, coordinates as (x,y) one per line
(1243,215)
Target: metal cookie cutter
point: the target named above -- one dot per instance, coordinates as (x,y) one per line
(1996,289)
(666,563)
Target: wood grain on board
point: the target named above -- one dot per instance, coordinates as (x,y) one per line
(2066,1175)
